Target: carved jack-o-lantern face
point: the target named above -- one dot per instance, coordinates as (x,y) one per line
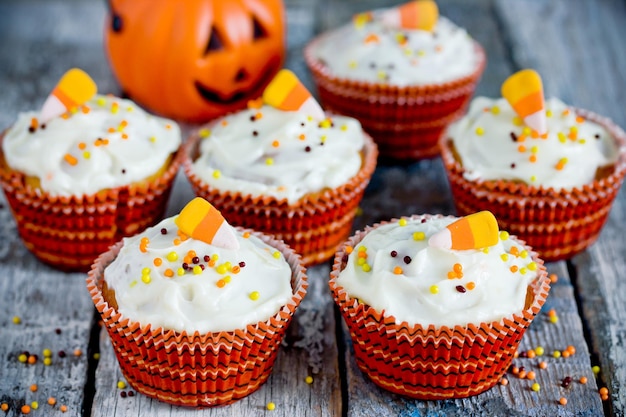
(195,60)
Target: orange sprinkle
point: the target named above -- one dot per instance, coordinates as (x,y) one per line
(34,123)
(534,134)
(565,112)
(521,374)
(514,251)
(553,278)
(144,240)
(604,391)
(168,126)
(111,130)
(158,261)
(32,359)
(276,144)
(4,407)
(543,365)
(471,285)
(255,104)
(246,235)
(530,375)
(349,249)
(580,119)
(82,146)
(221,283)
(514,268)
(504,382)
(235,269)
(532,158)
(565,354)
(583,380)
(521,148)
(571,349)
(224,123)
(70,159)
(521,138)
(212,262)
(531,354)
(457,268)
(168,273)
(63,408)
(516,354)
(34,387)
(573,135)
(604,397)
(515,370)
(65,116)
(52,400)
(192,253)
(371,38)
(397,270)
(563,401)
(25,409)
(85,109)
(124,136)
(143,248)
(187,259)
(362,254)
(302,136)
(552,312)
(258,115)
(177,242)
(78,352)
(451,275)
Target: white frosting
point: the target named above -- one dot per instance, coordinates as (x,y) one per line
(400,57)
(281,154)
(192,301)
(487,150)
(410,296)
(133,152)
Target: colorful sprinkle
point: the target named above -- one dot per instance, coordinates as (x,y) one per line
(254,295)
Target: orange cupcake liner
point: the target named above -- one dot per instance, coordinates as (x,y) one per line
(193,369)
(315,226)
(558,224)
(429,362)
(406,122)
(69,233)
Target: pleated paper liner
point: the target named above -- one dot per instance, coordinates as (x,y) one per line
(69,233)
(406,122)
(198,370)
(429,362)
(558,224)
(314,226)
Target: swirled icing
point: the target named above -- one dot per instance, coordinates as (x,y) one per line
(284,154)
(410,280)
(374,52)
(108,142)
(493,143)
(222,290)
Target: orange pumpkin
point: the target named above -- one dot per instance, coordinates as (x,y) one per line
(195,60)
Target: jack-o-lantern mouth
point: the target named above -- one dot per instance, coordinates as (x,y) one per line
(213,96)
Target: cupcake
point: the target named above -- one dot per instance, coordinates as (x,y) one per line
(288,171)
(197,309)
(549,173)
(404,72)
(436,306)
(80,181)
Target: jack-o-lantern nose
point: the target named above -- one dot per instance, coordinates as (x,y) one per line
(242,75)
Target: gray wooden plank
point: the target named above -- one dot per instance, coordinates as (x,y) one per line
(309,350)
(580,55)
(56,313)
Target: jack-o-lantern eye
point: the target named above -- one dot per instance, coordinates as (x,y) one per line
(259,31)
(215,41)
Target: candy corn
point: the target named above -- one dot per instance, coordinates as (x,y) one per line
(200,220)
(475,231)
(418,14)
(286,92)
(524,91)
(73,89)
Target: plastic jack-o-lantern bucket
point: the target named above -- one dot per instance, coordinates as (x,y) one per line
(195,60)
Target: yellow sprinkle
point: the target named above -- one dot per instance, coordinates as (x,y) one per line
(532,266)
(344,127)
(96,356)
(534,149)
(101,101)
(486,250)
(204,133)
(524,254)
(360,261)
(582,141)
(17,320)
(146,279)
(325,124)
(402,222)
(180,272)
(217,173)
(504,257)
(121,384)
(352,64)
(548,113)
(145,271)
(504,235)
(114,109)
(34,405)
(74,110)
(480,131)
(221,269)
(254,295)
(517,121)
(573,129)
(533,178)
(381,75)
(276,254)
(47,353)
(152,139)
(523,270)
(132,283)
(47,361)
(539,351)
(22,358)
(421,53)
(197,270)
(362,249)
(308,379)
(366,267)
(556,354)
(130,108)
(271,406)
(269,161)
(526,131)
(495,110)
(172,256)
(554,319)
(434,289)
(419,236)
(227,279)
(535,387)
(595,369)
(562,137)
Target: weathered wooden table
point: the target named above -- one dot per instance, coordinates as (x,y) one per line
(577,46)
